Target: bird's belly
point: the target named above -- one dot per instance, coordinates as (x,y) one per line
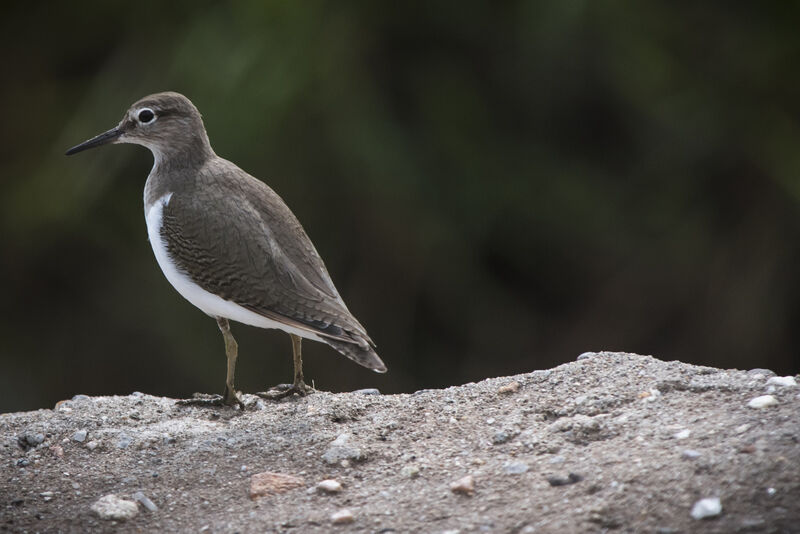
(208,302)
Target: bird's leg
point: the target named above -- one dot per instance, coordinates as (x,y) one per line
(299,386)
(231,396)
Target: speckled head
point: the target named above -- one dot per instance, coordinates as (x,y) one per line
(166,123)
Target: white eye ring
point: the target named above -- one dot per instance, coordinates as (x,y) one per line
(146,116)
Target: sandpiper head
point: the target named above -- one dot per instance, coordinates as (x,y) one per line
(163,122)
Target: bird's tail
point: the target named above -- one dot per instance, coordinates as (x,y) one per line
(362,354)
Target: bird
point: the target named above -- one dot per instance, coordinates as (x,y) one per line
(230,245)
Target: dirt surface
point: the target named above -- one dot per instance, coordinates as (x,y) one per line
(610,442)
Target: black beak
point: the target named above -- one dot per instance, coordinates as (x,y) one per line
(102,139)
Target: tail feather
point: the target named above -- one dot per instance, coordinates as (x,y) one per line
(362,354)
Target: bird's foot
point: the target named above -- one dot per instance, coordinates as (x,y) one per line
(284,390)
(230,398)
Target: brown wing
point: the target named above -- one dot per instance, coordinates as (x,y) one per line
(236,238)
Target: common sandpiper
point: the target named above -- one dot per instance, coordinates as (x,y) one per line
(230,245)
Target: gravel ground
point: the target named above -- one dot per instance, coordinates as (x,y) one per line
(610,442)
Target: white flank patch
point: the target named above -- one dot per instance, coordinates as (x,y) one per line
(209,303)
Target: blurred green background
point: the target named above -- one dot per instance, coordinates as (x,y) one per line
(495,187)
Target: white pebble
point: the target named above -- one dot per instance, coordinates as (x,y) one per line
(330,486)
(410,471)
(342,517)
(651,395)
(515,468)
(707,508)
(112,507)
(683,434)
(762,402)
(147,503)
(785,381)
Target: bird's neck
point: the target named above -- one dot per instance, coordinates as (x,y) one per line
(191,153)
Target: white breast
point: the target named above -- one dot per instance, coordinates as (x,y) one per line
(209,303)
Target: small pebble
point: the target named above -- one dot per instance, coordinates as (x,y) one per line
(124,441)
(650,395)
(112,508)
(330,486)
(58,450)
(92,445)
(46,495)
(683,434)
(511,387)
(81,397)
(690,454)
(784,381)
(29,440)
(368,391)
(572,478)
(706,508)
(500,437)
(80,436)
(762,402)
(515,468)
(147,503)
(342,517)
(340,451)
(464,486)
(267,483)
(586,355)
(410,471)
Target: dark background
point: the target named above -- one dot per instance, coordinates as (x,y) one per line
(495,187)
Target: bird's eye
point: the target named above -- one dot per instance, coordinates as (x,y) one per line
(146,115)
